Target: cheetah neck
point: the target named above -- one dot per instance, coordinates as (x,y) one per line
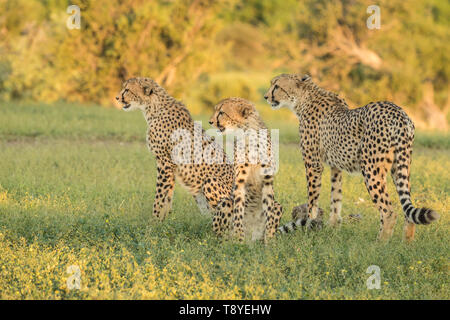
(255,141)
(152,111)
(253,122)
(316,98)
(250,151)
(149,113)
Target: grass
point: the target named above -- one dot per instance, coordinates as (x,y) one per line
(77,186)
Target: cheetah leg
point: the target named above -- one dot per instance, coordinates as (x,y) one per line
(239,203)
(268,207)
(222,217)
(277,213)
(336,197)
(165,183)
(400,174)
(375,178)
(214,190)
(408,231)
(313,176)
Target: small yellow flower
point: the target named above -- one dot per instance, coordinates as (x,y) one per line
(419,262)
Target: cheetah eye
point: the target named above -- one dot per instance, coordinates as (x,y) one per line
(123,93)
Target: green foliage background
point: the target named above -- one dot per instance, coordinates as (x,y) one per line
(205,50)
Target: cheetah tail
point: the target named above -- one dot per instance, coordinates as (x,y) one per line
(412,214)
(299,223)
(292,226)
(419,215)
(400,175)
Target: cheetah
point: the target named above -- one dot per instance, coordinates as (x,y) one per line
(165,116)
(372,140)
(300,219)
(251,207)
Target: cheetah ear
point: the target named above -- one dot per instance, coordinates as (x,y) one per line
(148,91)
(302,78)
(306,77)
(245,111)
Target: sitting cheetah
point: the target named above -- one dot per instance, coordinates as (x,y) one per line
(373,140)
(208,183)
(251,207)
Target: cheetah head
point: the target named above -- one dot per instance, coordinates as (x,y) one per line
(138,93)
(231,114)
(285,90)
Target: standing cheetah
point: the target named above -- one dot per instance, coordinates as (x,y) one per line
(373,140)
(251,207)
(208,183)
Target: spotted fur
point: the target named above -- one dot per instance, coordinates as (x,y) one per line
(374,140)
(208,183)
(251,210)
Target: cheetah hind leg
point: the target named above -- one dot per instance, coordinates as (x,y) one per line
(278,212)
(375,178)
(214,191)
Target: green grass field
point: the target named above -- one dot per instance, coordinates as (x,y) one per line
(77,186)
